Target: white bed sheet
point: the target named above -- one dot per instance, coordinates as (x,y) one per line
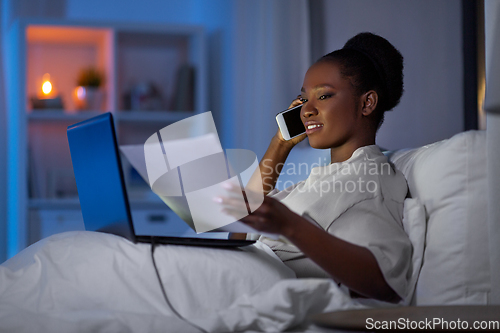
(85,281)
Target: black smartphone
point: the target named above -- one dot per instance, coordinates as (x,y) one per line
(290,123)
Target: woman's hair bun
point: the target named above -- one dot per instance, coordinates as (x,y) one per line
(387,61)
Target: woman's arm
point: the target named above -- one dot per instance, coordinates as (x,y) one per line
(271,164)
(352,265)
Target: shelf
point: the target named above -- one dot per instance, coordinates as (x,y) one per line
(152,116)
(130,56)
(64,51)
(59,115)
(122,116)
(148,204)
(66,204)
(56,204)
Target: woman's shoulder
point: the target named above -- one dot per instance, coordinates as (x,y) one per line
(370,166)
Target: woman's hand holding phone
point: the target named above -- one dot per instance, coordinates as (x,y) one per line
(297,139)
(273,160)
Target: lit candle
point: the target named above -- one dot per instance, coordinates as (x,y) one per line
(46,86)
(47,97)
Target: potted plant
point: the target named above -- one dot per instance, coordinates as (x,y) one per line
(88,95)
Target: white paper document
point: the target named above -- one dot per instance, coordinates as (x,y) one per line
(189,172)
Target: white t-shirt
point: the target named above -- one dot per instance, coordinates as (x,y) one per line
(360,201)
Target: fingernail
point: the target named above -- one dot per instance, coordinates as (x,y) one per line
(217,199)
(228,186)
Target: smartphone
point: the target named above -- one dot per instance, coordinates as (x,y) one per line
(290,123)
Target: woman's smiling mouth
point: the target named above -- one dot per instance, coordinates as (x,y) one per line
(312,127)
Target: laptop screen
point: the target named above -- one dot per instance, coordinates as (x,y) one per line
(99,176)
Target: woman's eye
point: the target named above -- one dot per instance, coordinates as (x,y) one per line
(302,99)
(324,97)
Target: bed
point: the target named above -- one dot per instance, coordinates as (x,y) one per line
(94,282)
(86,281)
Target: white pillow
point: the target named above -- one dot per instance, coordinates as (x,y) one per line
(414,225)
(449,178)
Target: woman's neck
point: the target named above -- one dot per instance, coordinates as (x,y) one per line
(344,152)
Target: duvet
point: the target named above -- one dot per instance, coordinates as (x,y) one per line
(94,282)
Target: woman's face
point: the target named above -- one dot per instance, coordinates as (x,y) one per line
(331,113)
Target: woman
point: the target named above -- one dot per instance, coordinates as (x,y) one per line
(344,221)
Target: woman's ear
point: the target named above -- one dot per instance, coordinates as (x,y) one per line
(369,102)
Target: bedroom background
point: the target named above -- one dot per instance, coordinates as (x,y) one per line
(258,52)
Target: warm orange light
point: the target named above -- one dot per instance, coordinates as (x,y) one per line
(47,87)
(80,93)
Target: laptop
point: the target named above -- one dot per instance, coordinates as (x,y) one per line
(101,186)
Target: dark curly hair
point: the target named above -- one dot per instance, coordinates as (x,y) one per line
(371,62)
